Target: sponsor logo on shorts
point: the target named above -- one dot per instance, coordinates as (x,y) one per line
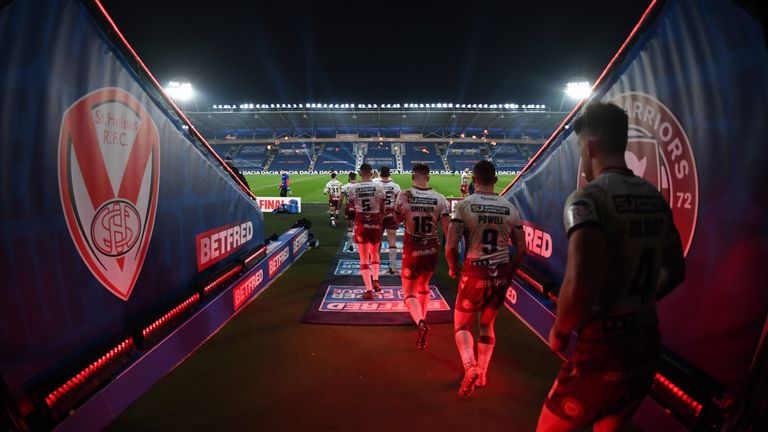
(423,252)
(572,407)
(109,174)
(659,151)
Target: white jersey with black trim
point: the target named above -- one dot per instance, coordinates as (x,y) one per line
(366,197)
(639,229)
(421,210)
(488,221)
(333,189)
(464,178)
(345,193)
(391,191)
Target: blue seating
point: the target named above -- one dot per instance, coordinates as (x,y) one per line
(336,157)
(422,153)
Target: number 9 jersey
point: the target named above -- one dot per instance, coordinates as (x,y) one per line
(488,221)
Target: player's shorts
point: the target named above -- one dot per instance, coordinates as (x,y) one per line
(419,256)
(482,287)
(349,213)
(333,202)
(389,221)
(608,376)
(465,189)
(368,228)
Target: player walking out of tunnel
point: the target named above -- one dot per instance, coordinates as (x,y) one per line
(333,190)
(368,199)
(464,187)
(349,210)
(487,222)
(624,254)
(391,191)
(420,209)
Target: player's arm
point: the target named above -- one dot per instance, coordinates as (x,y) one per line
(454,233)
(518,241)
(399,204)
(584,270)
(672,266)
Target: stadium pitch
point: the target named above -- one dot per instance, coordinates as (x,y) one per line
(310,186)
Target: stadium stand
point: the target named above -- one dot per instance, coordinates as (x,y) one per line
(422,153)
(336,157)
(380,154)
(293,156)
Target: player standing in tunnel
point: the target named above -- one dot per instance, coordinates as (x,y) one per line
(368,199)
(624,254)
(391,192)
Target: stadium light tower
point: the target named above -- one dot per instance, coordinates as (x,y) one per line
(577,89)
(181,91)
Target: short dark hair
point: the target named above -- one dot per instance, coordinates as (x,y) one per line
(608,123)
(420,168)
(333,175)
(385,171)
(484,172)
(365,167)
(352,176)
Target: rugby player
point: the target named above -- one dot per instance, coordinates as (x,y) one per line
(464,188)
(487,222)
(349,210)
(624,254)
(368,200)
(391,192)
(333,190)
(420,209)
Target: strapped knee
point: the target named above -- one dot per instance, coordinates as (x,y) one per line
(462,328)
(365,266)
(488,340)
(411,296)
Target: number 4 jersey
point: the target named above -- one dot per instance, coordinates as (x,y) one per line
(488,221)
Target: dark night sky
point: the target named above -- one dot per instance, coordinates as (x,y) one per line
(376,52)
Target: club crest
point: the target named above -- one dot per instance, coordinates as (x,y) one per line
(109,172)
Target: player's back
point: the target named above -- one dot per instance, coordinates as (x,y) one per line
(421,210)
(366,197)
(638,227)
(391,191)
(488,223)
(333,188)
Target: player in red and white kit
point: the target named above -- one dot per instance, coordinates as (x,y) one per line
(487,222)
(349,210)
(420,209)
(333,190)
(368,199)
(391,191)
(464,188)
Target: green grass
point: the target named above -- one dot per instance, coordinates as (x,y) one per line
(310,187)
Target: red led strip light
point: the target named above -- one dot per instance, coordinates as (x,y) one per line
(169,100)
(255,254)
(79,379)
(535,284)
(679,393)
(208,288)
(578,106)
(170,315)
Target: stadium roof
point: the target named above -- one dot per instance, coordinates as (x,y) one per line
(266,124)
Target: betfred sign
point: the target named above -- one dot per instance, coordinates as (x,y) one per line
(271,203)
(299,241)
(242,292)
(277,261)
(219,243)
(538,241)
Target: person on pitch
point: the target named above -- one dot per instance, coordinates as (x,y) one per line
(624,254)
(368,200)
(349,210)
(487,222)
(391,192)
(284,184)
(333,190)
(421,209)
(464,186)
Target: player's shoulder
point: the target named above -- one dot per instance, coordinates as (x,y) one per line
(582,207)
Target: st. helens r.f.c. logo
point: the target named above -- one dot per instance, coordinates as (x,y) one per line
(109,172)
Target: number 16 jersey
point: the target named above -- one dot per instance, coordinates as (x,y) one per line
(421,210)
(488,221)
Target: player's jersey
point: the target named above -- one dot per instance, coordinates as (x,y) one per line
(638,227)
(345,192)
(366,197)
(333,189)
(464,178)
(284,181)
(489,221)
(391,191)
(421,210)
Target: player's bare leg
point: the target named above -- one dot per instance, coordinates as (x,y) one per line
(485,342)
(333,213)
(375,265)
(462,324)
(392,242)
(422,286)
(364,251)
(411,301)
(350,234)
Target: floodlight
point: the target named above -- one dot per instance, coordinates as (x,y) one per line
(181,91)
(578,89)
(450,105)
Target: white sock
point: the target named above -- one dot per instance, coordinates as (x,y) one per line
(365,271)
(414,308)
(424,303)
(485,346)
(466,345)
(375,267)
(350,238)
(392,256)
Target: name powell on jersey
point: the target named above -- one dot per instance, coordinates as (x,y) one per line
(109,161)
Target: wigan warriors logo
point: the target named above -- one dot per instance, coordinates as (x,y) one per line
(659,151)
(109,160)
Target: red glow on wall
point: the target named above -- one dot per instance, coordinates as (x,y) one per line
(219,280)
(682,396)
(170,315)
(78,380)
